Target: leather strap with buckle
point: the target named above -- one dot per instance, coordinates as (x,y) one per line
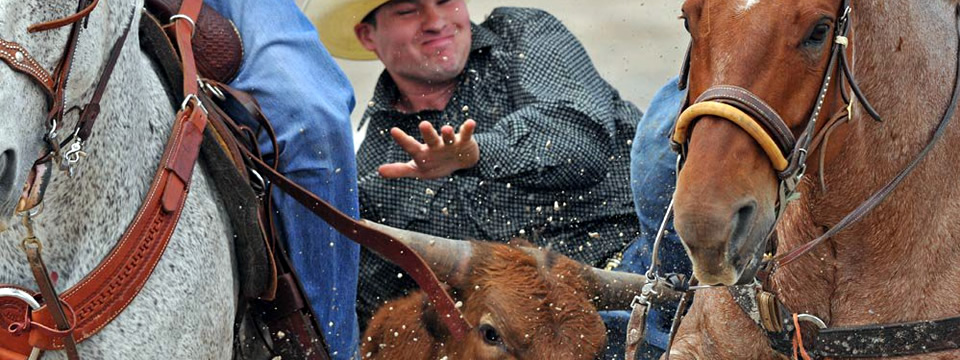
(108,289)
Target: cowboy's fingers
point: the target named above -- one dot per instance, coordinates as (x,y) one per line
(406,142)
(399,170)
(430,136)
(448,136)
(466,130)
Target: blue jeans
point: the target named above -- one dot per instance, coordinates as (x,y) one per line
(652,181)
(308,99)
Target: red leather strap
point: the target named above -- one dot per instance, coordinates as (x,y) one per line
(81,13)
(110,288)
(184,32)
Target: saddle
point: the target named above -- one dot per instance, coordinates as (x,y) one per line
(274,318)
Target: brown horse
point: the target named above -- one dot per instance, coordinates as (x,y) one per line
(899,263)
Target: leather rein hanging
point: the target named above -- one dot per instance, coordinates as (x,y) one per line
(788,156)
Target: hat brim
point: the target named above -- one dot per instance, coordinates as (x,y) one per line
(335,25)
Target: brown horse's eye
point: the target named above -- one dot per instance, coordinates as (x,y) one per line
(818,36)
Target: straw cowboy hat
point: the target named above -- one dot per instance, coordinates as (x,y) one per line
(335,20)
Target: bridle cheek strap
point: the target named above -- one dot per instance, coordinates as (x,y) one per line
(736,116)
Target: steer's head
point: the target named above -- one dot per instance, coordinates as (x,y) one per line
(523,302)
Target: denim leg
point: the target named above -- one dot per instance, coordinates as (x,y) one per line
(652,181)
(308,99)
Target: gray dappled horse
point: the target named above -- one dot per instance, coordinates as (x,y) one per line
(187,307)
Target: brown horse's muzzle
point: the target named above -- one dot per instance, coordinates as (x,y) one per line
(725,201)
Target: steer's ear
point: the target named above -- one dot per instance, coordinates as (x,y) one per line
(431,319)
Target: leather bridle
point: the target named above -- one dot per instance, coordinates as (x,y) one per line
(54,88)
(788,156)
(56,323)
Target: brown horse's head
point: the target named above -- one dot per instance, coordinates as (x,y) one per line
(727,190)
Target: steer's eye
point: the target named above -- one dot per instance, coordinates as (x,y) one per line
(818,36)
(490,335)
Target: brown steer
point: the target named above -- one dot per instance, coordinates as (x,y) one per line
(523,303)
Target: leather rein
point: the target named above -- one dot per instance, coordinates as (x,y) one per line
(788,156)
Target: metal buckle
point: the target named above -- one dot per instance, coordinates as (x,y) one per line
(260,185)
(212,89)
(29,300)
(842,40)
(194,97)
(193,24)
(813,320)
(644,297)
(844,18)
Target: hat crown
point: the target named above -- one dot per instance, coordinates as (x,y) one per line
(335,20)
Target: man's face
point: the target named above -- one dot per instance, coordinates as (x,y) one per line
(426,41)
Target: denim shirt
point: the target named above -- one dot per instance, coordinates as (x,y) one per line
(308,99)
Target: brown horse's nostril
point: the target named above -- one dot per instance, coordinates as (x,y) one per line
(741,224)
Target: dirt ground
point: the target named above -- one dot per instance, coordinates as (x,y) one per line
(635,44)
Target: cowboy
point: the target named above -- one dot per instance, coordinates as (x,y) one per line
(489,131)
(315,149)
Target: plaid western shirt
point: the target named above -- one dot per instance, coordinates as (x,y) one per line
(554,162)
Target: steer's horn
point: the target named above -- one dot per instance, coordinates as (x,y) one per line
(447,258)
(615,290)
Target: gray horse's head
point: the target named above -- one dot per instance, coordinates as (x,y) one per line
(24,105)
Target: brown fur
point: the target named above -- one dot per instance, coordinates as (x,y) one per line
(540,312)
(898,264)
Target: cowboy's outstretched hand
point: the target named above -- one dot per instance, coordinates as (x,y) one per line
(439,155)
